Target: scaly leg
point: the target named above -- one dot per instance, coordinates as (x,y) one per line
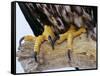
(62,38)
(69,36)
(49,35)
(80,31)
(37,44)
(65,35)
(46,35)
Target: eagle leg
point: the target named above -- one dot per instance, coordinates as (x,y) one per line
(47,35)
(80,31)
(69,36)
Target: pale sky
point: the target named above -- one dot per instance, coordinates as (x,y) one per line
(22,29)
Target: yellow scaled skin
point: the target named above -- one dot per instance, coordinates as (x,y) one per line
(70,34)
(47,32)
(29,38)
(38,40)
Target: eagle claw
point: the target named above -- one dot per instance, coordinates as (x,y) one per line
(35,56)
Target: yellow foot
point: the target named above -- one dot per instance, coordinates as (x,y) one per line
(29,38)
(47,35)
(69,36)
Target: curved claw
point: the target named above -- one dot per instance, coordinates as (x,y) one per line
(56,38)
(69,54)
(51,41)
(20,42)
(35,56)
(77,68)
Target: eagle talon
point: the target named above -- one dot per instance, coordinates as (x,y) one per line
(51,42)
(35,56)
(69,54)
(47,35)
(20,43)
(77,68)
(70,35)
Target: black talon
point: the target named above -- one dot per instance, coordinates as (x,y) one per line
(35,56)
(20,42)
(56,38)
(51,42)
(69,57)
(76,68)
(69,54)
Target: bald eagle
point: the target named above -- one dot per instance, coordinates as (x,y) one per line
(56,23)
